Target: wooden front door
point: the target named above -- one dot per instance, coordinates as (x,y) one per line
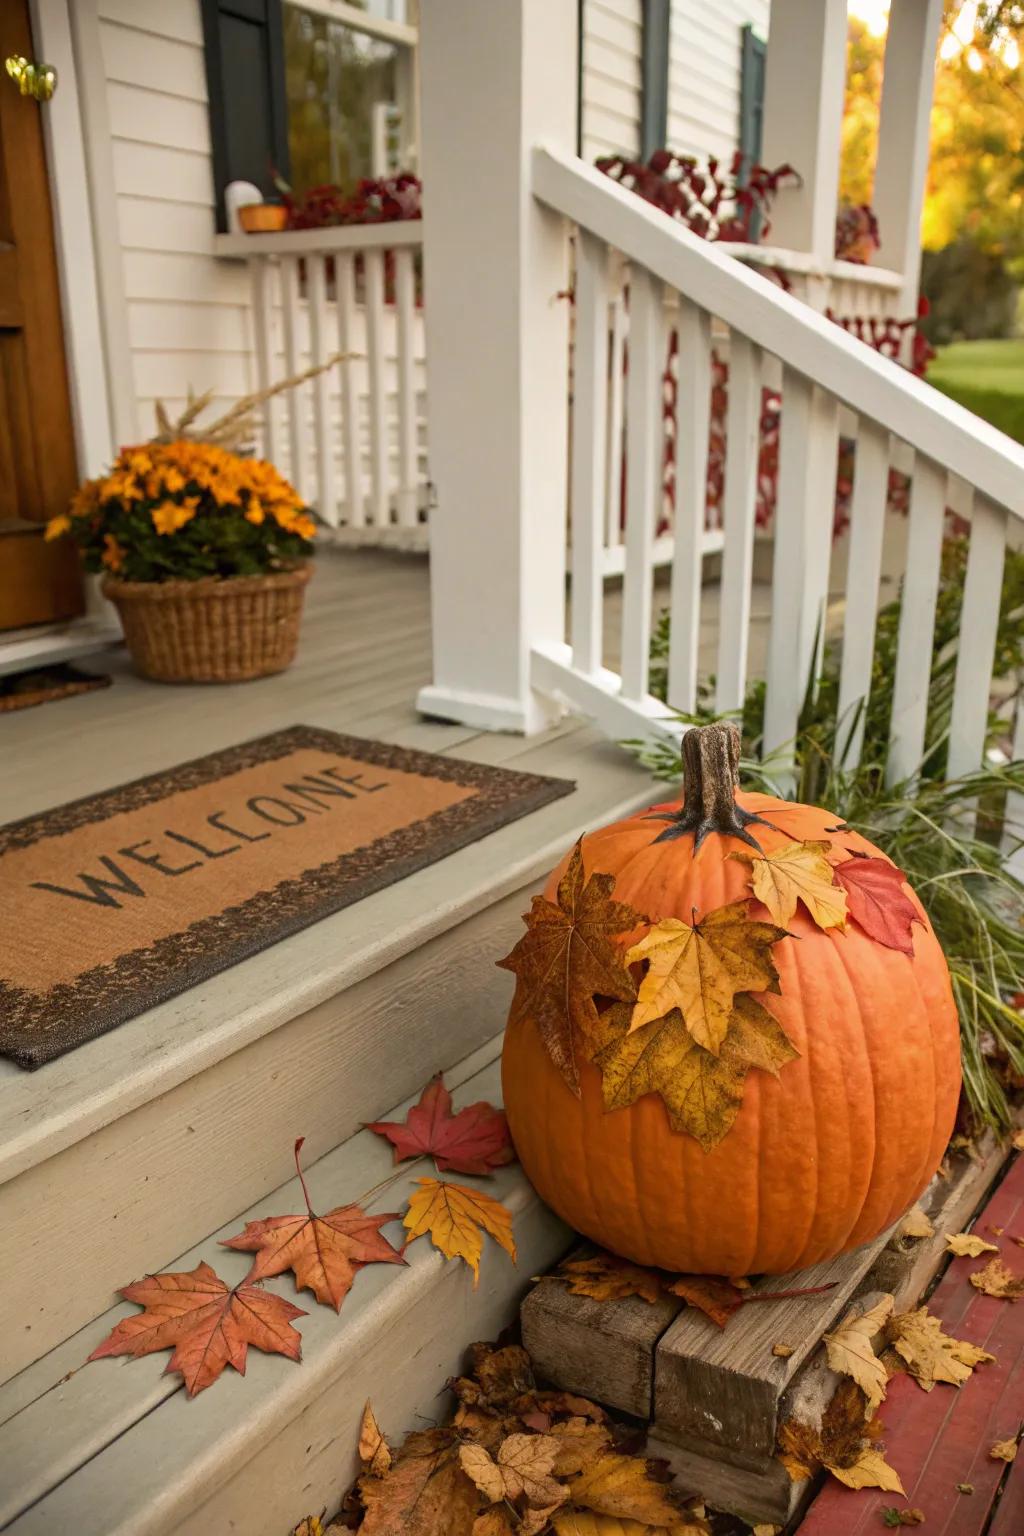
(38,471)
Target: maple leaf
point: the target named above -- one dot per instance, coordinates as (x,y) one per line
(797,872)
(456,1218)
(1003,1450)
(968,1245)
(700,968)
(425,1491)
(997,1279)
(846,1444)
(475,1140)
(620,1485)
(869,1470)
(579,1442)
(208,1324)
(605,1277)
(702,1092)
(566,958)
(522,1468)
(323,1252)
(877,901)
(929,1353)
(374,1451)
(501,1375)
(916,1223)
(579,1522)
(849,1350)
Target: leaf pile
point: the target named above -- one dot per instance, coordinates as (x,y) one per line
(516,1461)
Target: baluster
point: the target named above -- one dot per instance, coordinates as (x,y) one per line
(316,267)
(293,363)
(589,448)
(742,435)
(373,267)
(979,620)
(863,576)
(1013,815)
(693,420)
(351,435)
(616,390)
(408,444)
(804,518)
(643,435)
(261,274)
(917,621)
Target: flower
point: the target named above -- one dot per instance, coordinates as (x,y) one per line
(57,526)
(169,516)
(254,512)
(113,554)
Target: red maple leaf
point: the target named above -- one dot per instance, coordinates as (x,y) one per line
(324,1252)
(476,1140)
(208,1324)
(878,902)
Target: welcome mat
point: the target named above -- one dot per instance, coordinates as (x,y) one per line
(116,902)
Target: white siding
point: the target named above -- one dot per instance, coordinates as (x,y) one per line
(188,319)
(611,42)
(704,73)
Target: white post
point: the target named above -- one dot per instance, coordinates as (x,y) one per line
(903,136)
(803,114)
(496,80)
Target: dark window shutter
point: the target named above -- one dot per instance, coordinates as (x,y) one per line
(752,68)
(245,82)
(654,70)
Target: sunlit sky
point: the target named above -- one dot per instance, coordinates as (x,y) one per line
(875,15)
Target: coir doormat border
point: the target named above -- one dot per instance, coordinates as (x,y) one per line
(36,1029)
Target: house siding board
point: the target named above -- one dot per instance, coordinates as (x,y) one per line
(704,73)
(611,44)
(188,313)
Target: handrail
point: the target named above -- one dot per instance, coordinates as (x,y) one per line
(388,236)
(805,265)
(803,340)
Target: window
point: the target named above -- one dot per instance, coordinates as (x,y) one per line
(350,74)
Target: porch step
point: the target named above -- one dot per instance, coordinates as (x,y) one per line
(116,1448)
(173,1122)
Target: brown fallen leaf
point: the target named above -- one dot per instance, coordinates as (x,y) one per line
(997,1279)
(374,1452)
(475,1140)
(566,958)
(522,1468)
(719,1298)
(849,1350)
(577,1522)
(928,1353)
(495,1521)
(580,1441)
(604,1277)
(797,872)
(620,1485)
(1017,1141)
(996,1231)
(968,1245)
(1003,1450)
(846,1444)
(699,969)
(965,1487)
(208,1324)
(893,1517)
(782,1351)
(323,1252)
(916,1224)
(499,1375)
(456,1218)
(425,1491)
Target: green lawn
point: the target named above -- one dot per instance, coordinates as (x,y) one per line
(987,377)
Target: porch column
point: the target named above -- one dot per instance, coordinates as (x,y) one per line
(496,80)
(908,85)
(805,85)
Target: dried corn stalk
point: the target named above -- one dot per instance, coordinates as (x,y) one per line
(235,430)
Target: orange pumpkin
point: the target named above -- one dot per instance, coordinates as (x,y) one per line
(820,1158)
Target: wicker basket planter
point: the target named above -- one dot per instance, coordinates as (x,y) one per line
(211,631)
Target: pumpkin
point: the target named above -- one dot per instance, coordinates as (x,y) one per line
(822,1154)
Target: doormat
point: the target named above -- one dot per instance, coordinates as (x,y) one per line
(41,685)
(114,903)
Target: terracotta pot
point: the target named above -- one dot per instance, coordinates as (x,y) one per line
(211,631)
(262,218)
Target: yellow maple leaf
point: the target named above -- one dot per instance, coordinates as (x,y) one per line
(997,1279)
(374,1452)
(581,1522)
(1003,1450)
(798,872)
(699,969)
(620,1486)
(929,1353)
(968,1245)
(456,1218)
(522,1466)
(916,1223)
(604,1277)
(849,1350)
(870,1470)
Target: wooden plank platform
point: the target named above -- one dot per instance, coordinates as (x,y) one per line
(939,1441)
(714,1398)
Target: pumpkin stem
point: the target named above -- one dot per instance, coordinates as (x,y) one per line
(711,776)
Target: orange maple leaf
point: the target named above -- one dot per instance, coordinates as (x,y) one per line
(324,1252)
(208,1324)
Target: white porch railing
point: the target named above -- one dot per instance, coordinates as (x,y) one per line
(352,439)
(955,457)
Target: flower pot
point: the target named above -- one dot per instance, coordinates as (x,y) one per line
(262,218)
(211,631)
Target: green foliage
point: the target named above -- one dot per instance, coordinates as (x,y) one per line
(943,834)
(988,378)
(971,295)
